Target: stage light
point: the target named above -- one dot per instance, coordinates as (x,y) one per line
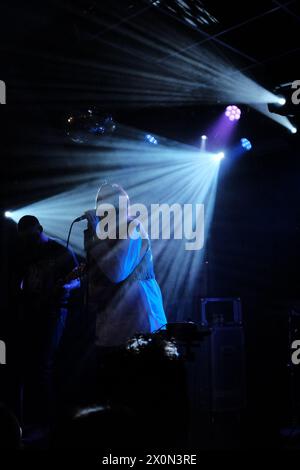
(219,156)
(281,101)
(203,143)
(246,144)
(169,173)
(294,130)
(172,70)
(152,140)
(233,113)
(8,214)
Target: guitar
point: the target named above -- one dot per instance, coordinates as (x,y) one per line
(76,273)
(63,293)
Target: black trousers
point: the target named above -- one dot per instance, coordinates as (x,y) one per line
(42,335)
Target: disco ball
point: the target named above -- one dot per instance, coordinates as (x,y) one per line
(87,126)
(233,113)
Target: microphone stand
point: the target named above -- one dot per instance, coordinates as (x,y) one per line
(87,286)
(88,240)
(87,233)
(70,230)
(89,319)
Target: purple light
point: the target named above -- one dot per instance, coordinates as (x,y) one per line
(233,113)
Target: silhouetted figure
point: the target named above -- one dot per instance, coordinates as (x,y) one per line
(44,301)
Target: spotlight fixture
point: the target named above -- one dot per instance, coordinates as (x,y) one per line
(8,214)
(281,101)
(285,104)
(246,144)
(219,156)
(204,137)
(233,113)
(294,130)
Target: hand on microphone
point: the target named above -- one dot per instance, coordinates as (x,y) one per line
(92,218)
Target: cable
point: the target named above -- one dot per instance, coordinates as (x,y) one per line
(69,234)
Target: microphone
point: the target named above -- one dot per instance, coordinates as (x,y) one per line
(78,219)
(84,216)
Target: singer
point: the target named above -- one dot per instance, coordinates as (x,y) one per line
(124,296)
